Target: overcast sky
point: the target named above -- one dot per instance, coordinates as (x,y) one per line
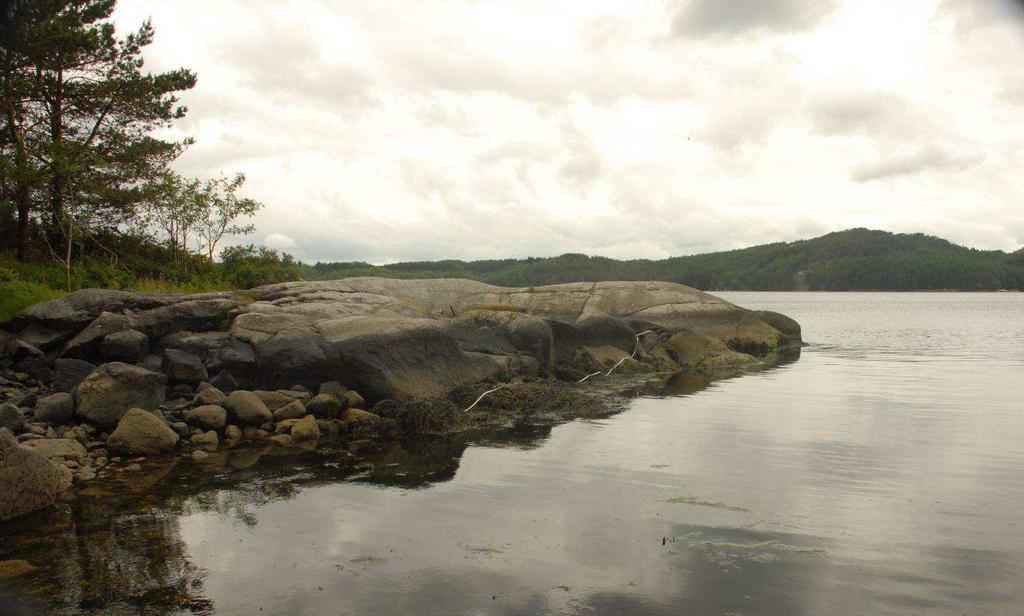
(391,130)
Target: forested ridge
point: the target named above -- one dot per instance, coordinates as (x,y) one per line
(852,260)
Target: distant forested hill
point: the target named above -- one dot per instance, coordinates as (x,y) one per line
(853,260)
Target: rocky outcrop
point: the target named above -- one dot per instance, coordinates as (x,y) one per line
(397,339)
(28,480)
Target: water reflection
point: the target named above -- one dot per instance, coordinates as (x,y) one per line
(877,474)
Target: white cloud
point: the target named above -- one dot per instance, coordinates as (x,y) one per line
(394,130)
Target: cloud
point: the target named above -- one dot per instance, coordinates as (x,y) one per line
(279,241)
(924,159)
(704,18)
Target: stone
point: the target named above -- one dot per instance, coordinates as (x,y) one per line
(28,480)
(57,449)
(182,367)
(207,441)
(180,390)
(232,433)
(249,432)
(153,363)
(292,410)
(247,409)
(224,381)
(199,455)
(106,394)
(207,417)
(324,406)
(16,568)
(284,440)
(181,428)
(140,432)
(277,399)
(306,431)
(88,342)
(208,394)
(354,400)
(58,408)
(285,426)
(333,388)
(354,415)
(128,345)
(11,417)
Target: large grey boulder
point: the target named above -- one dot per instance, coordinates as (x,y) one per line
(57,409)
(106,394)
(247,409)
(141,432)
(28,481)
(87,343)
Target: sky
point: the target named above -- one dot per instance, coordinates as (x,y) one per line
(402,130)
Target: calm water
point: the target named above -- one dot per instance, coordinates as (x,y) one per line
(881,473)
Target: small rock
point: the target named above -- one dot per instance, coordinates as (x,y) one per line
(199,455)
(357,415)
(285,426)
(86,474)
(58,408)
(181,390)
(249,432)
(292,410)
(282,439)
(182,367)
(333,388)
(261,435)
(324,406)
(232,433)
(208,394)
(248,409)
(354,400)
(306,431)
(181,428)
(207,441)
(142,432)
(11,418)
(131,468)
(208,417)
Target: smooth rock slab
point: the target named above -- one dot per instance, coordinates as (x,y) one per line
(140,432)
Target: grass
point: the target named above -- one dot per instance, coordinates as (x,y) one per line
(16,295)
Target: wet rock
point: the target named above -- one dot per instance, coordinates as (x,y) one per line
(333,388)
(106,394)
(249,432)
(28,480)
(129,346)
(285,426)
(208,394)
(292,410)
(11,417)
(331,428)
(181,390)
(153,363)
(57,449)
(199,455)
(261,434)
(58,408)
(140,432)
(181,428)
(182,367)
(306,431)
(247,409)
(87,343)
(324,406)
(207,441)
(232,433)
(208,417)
(277,399)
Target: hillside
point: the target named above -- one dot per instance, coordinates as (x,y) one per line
(852,260)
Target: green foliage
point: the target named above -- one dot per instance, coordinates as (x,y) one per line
(16,295)
(245,267)
(857,259)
